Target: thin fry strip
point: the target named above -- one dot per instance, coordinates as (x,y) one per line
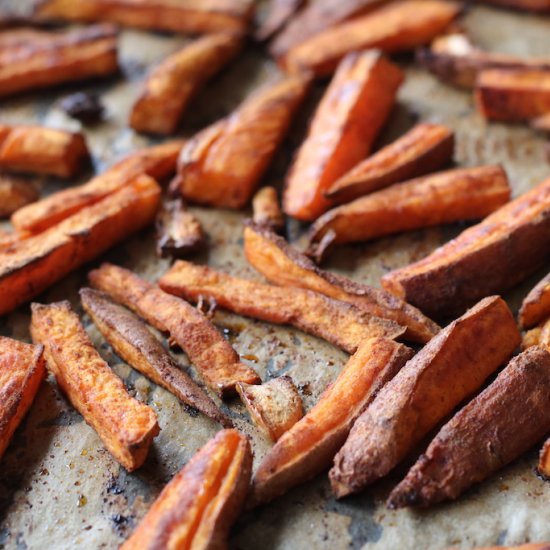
(266,210)
(15,193)
(536,305)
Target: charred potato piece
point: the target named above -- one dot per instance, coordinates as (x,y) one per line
(14,194)
(536,305)
(266,210)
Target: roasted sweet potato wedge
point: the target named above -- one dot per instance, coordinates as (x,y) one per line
(212,355)
(22,370)
(450,368)
(280,12)
(172,84)
(310,445)
(501,423)
(222,165)
(400,26)
(341,324)
(197,508)
(126,426)
(538,336)
(536,305)
(29,266)
(489,257)
(342,130)
(14,194)
(522,5)
(266,211)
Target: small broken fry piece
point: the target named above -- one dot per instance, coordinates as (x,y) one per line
(14,194)
(133,342)
(348,119)
(493,429)
(341,324)
(171,85)
(266,210)
(280,12)
(310,445)
(197,508)
(215,359)
(126,426)
(450,368)
(274,406)
(536,305)
(22,370)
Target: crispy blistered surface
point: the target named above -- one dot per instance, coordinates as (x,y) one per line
(536,305)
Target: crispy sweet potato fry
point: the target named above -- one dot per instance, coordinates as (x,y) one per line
(522,5)
(14,194)
(489,257)
(30,266)
(536,305)
(172,84)
(397,27)
(279,14)
(538,336)
(135,344)
(215,359)
(501,423)
(266,210)
(197,508)
(352,112)
(126,426)
(22,370)
(309,446)
(341,324)
(450,368)
(222,165)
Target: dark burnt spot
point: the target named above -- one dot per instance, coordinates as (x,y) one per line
(191,411)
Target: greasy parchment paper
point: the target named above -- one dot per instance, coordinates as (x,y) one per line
(60,489)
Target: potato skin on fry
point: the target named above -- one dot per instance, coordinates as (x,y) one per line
(450,368)
(197,508)
(14,194)
(536,305)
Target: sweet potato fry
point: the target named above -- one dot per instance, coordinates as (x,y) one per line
(422,150)
(489,257)
(341,324)
(14,194)
(31,265)
(212,355)
(400,26)
(135,344)
(197,508)
(274,406)
(444,197)
(126,426)
(536,305)
(33,59)
(342,130)
(310,445)
(538,336)
(542,6)
(501,423)
(40,150)
(279,14)
(22,370)
(450,368)
(222,165)
(266,211)
(172,84)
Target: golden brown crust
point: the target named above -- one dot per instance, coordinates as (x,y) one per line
(266,210)
(536,305)
(15,193)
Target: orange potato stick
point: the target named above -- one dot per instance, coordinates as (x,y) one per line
(541,6)
(400,26)
(341,324)
(536,305)
(14,194)
(490,257)
(33,264)
(348,119)
(443,197)
(197,508)
(126,426)
(279,14)
(310,445)
(222,165)
(541,123)
(266,210)
(172,84)
(422,150)
(215,359)
(283,265)
(22,370)
(450,368)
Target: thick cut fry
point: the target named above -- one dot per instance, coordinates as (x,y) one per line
(135,344)
(488,258)
(126,426)
(32,59)
(40,150)
(497,426)
(444,197)
(310,445)
(341,324)
(222,165)
(352,112)
(538,336)
(31,265)
(397,27)
(536,305)
(280,12)
(171,85)
(212,355)
(266,211)
(283,265)
(274,406)
(450,368)
(14,194)
(197,508)
(522,5)
(22,370)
